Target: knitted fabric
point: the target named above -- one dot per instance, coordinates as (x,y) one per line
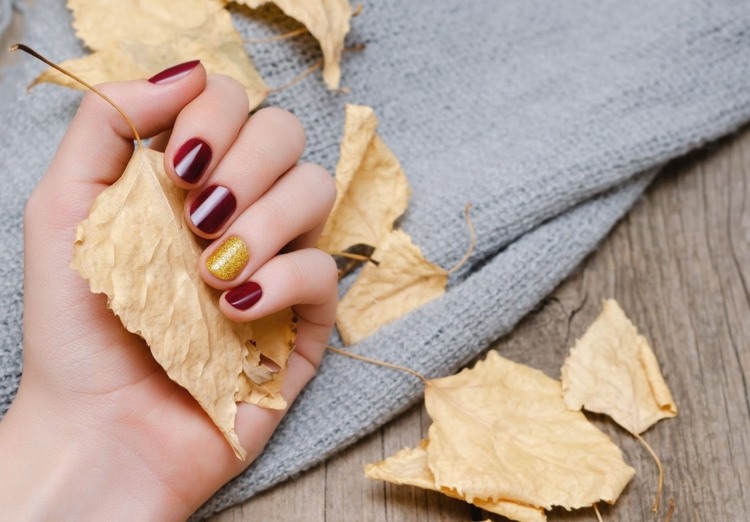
(549,117)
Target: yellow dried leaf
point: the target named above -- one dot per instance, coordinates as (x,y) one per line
(137,39)
(372,189)
(402,282)
(409,467)
(135,248)
(266,364)
(612,370)
(502,431)
(327,21)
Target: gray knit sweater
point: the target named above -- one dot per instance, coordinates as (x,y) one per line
(549,117)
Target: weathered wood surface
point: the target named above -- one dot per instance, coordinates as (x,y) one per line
(679,264)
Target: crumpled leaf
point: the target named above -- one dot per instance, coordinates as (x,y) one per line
(502,431)
(264,371)
(409,467)
(403,281)
(613,370)
(138,38)
(372,189)
(327,21)
(136,248)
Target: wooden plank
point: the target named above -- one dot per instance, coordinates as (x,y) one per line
(679,264)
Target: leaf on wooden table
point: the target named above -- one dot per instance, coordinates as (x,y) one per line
(409,467)
(133,40)
(502,431)
(403,281)
(372,189)
(613,370)
(327,21)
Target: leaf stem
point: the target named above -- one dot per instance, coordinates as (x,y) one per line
(32,52)
(378,363)
(301,76)
(278,37)
(660,482)
(598,514)
(472,243)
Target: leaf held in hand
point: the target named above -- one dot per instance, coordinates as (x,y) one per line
(133,40)
(136,248)
(612,370)
(327,21)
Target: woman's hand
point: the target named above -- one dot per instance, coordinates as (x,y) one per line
(97,430)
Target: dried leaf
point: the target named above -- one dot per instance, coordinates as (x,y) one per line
(135,248)
(372,189)
(612,370)
(264,370)
(327,21)
(409,467)
(138,39)
(402,282)
(502,431)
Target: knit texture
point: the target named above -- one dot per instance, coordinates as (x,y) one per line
(549,117)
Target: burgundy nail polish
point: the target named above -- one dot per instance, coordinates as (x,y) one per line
(245,295)
(191,160)
(212,208)
(174,73)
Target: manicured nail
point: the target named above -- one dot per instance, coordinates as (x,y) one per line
(212,208)
(229,259)
(174,73)
(245,295)
(191,160)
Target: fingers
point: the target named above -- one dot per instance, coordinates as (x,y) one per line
(268,145)
(205,130)
(297,203)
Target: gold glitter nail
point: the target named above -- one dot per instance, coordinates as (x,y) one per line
(229,259)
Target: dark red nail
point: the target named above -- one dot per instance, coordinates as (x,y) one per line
(174,73)
(245,295)
(191,160)
(212,208)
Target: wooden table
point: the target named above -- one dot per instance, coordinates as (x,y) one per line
(679,264)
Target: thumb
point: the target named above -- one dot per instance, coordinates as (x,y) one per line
(99,142)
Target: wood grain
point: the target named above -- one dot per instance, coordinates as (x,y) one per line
(679,264)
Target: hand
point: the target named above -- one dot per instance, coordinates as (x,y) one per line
(97,429)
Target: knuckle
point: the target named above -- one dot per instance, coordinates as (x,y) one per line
(285,122)
(229,89)
(323,181)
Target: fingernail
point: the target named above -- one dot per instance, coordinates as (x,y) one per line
(245,295)
(212,208)
(174,73)
(229,259)
(191,160)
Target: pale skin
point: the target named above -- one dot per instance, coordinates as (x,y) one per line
(97,430)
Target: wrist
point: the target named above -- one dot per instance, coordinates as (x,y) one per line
(59,467)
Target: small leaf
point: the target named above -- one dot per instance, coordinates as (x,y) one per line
(133,40)
(327,21)
(403,281)
(613,370)
(372,189)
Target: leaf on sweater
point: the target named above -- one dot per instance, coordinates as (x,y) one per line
(133,40)
(372,189)
(136,248)
(327,21)
(409,467)
(613,370)
(403,281)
